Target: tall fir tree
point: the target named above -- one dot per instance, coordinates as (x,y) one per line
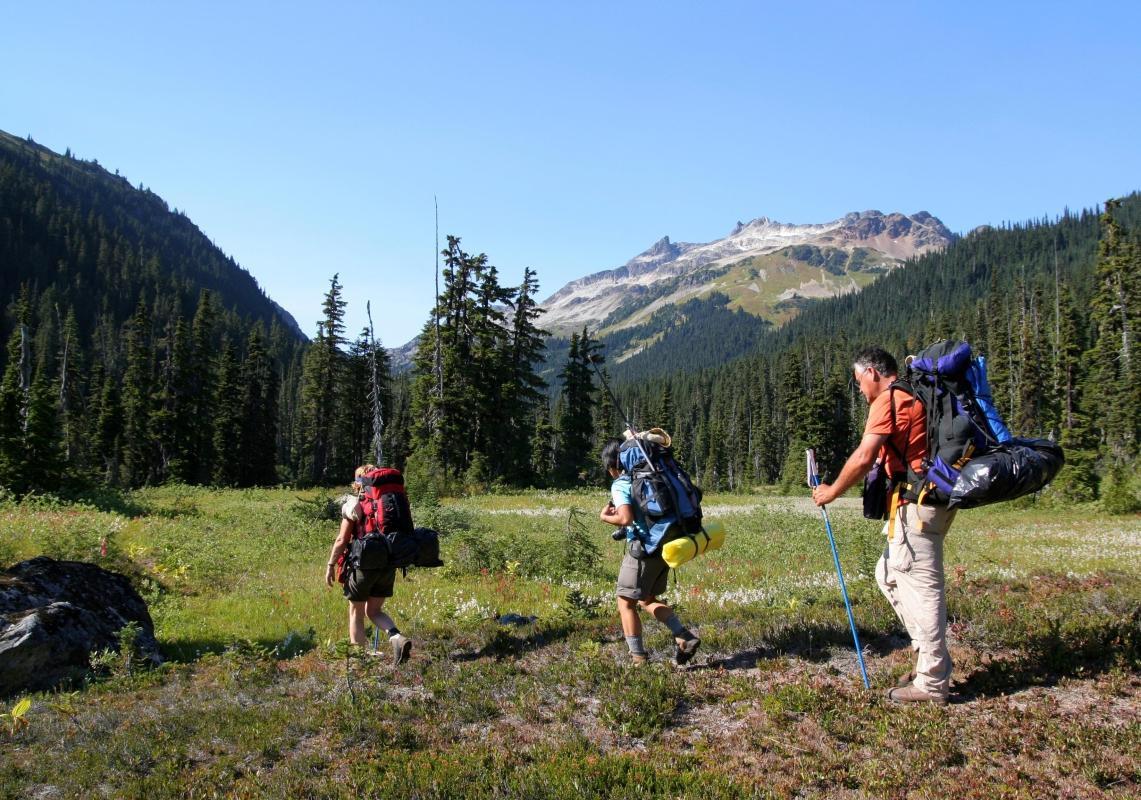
(198,456)
(322,377)
(260,390)
(136,400)
(576,423)
(227,444)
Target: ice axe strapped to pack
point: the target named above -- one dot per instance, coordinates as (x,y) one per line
(661,487)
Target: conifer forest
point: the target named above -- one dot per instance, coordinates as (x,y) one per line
(138,354)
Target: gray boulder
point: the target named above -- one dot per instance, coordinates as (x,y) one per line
(55,614)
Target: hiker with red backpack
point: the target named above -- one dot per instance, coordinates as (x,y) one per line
(368,579)
(910,571)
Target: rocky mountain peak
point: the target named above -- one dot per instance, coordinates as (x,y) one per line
(595,297)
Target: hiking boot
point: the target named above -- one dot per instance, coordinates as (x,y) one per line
(401,648)
(905,680)
(909,694)
(639,660)
(686,650)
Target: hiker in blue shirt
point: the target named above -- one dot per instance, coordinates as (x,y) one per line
(642,577)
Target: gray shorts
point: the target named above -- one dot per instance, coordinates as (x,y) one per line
(362,584)
(639,578)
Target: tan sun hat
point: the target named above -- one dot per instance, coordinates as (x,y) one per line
(655,435)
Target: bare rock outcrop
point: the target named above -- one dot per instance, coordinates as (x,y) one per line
(55,614)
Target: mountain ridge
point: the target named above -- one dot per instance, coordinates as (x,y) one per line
(597,296)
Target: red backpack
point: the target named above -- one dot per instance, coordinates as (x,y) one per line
(384,502)
(387,536)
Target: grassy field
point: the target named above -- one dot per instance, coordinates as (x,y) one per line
(260,697)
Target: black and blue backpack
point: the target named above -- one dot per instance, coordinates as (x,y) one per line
(972,458)
(662,489)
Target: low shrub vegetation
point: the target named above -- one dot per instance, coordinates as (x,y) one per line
(519,686)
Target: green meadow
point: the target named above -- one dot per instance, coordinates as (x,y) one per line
(261,697)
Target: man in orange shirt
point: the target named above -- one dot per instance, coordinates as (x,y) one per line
(910,572)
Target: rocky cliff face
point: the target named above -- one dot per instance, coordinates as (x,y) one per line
(597,297)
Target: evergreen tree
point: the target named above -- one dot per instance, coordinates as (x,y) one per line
(42,443)
(524,393)
(228,408)
(198,457)
(323,372)
(13,408)
(71,372)
(260,389)
(606,422)
(542,457)
(136,399)
(1032,379)
(1117,297)
(576,423)
(109,430)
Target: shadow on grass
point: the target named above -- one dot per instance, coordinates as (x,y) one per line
(508,644)
(106,499)
(815,643)
(1081,652)
(187,651)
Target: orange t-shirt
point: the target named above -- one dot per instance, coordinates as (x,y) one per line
(909,434)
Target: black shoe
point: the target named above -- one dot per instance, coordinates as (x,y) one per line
(686,650)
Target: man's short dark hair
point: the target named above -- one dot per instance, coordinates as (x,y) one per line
(610,454)
(878,359)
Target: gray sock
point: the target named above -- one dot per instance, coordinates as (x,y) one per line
(677,629)
(635,645)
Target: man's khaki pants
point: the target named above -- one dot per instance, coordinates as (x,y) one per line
(910,574)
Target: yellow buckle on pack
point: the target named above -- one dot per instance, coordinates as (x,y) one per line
(895,495)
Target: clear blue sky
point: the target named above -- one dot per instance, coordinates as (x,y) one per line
(308,140)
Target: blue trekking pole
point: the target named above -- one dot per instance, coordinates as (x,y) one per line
(814,481)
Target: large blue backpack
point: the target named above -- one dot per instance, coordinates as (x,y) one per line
(961,418)
(972,459)
(662,489)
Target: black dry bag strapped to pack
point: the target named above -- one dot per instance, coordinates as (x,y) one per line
(961,419)
(1019,467)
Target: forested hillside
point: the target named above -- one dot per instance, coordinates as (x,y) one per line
(137,350)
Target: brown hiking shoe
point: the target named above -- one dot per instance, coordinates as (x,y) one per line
(639,660)
(686,650)
(909,694)
(401,648)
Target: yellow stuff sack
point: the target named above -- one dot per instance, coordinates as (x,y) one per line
(685,548)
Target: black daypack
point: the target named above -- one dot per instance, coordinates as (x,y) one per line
(661,487)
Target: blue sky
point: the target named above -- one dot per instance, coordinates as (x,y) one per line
(568,137)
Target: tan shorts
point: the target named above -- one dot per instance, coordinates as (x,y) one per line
(640,578)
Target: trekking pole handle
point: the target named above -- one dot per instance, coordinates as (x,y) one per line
(813,477)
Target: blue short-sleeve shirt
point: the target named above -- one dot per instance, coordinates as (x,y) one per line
(622,494)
